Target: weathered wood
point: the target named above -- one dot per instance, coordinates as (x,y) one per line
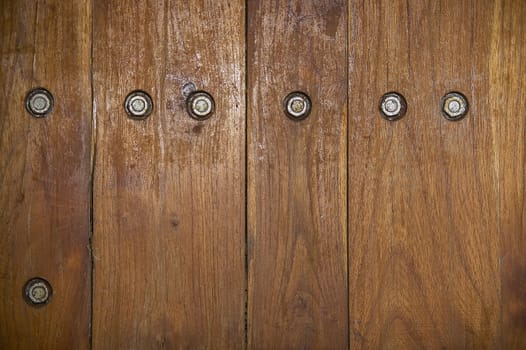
(436,209)
(169,240)
(508,108)
(297,176)
(423,223)
(45,173)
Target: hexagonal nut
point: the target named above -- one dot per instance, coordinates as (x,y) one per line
(393,106)
(297,105)
(454,106)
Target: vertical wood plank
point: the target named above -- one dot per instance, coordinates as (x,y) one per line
(45,173)
(508,105)
(297,176)
(423,224)
(169,241)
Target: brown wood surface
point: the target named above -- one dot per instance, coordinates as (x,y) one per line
(436,207)
(508,106)
(169,231)
(45,173)
(297,176)
(250,230)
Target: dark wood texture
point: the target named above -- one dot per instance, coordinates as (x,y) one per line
(297,176)
(169,232)
(507,98)
(45,173)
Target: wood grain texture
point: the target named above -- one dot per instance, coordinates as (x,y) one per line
(169,241)
(45,173)
(436,209)
(297,176)
(424,238)
(508,106)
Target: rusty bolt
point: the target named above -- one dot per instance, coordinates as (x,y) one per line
(454,106)
(297,105)
(138,104)
(37,291)
(39,102)
(393,106)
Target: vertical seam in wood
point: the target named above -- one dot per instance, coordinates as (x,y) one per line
(245,345)
(92,179)
(347,163)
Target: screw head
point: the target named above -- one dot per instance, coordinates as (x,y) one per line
(393,106)
(39,102)
(138,104)
(297,105)
(454,106)
(37,291)
(200,105)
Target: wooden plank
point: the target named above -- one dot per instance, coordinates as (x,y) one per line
(508,105)
(297,176)
(423,225)
(45,173)
(169,240)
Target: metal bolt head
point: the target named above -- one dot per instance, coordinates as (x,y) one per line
(37,291)
(138,104)
(297,105)
(393,106)
(454,106)
(39,102)
(200,105)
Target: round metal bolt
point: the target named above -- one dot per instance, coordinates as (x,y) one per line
(138,104)
(39,102)
(393,106)
(297,105)
(455,106)
(200,105)
(37,291)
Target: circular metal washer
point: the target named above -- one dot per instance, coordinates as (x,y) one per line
(393,106)
(39,102)
(297,105)
(454,106)
(200,105)
(138,104)
(37,292)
